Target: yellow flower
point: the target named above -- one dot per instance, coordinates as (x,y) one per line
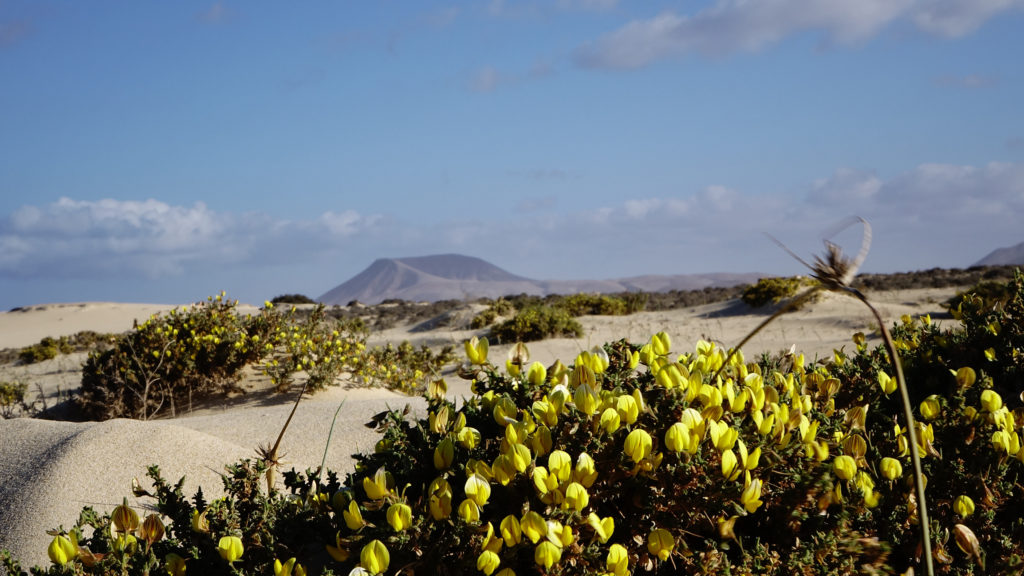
(661,344)
(469,511)
(560,465)
(353,516)
(337,551)
(750,498)
(468,437)
(520,457)
(477,489)
(891,468)
(627,408)
(511,532)
(585,398)
(930,408)
(617,561)
(609,420)
(730,470)
(62,549)
(963,505)
(476,350)
(230,548)
(438,421)
(175,565)
(444,453)
(677,437)
(377,488)
(887,383)
(722,435)
(844,467)
(284,569)
(399,516)
(585,471)
(488,562)
(534,526)
(990,354)
(660,543)
(536,374)
(547,554)
(199,522)
(374,557)
(991,401)
(604,528)
(559,534)
(638,445)
(576,496)
(1001,441)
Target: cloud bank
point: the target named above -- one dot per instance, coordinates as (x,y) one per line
(927,216)
(731,26)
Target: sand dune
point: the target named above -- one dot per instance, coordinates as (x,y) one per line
(49,470)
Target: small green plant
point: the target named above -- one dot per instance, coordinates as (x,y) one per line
(403,368)
(292,299)
(537,323)
(770,291)
(12,399)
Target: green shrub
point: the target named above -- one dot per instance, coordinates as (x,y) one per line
(770,291)
(319,346)
(537,323)
(12,398)
(168,360)
(403,368)
(292,299)
(46,349)
(484,319)
(594,304)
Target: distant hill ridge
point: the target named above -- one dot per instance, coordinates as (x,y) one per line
(1009,256)
(459,277)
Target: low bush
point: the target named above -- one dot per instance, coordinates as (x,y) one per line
(168,360)
(770,291)
(403,368)
(537,323)
(12,399)
(292,299)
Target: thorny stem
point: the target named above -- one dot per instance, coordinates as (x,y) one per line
(271,456)
(915,457)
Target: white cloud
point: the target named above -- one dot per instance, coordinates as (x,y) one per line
(730,26)
(955,18)
(154,239)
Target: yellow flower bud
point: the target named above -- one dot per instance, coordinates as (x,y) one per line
(638,445)
(444,453)
(175,565)
(963,505)
(604,528)
(536,374)
(609,420)
(399,516)
(617,561)
(560,465)
(374,557)
(547,554)
(677,437)
(660,543)
(476,350)
(438,421)
(887,383)
(845,467)
(353,516)
(199,522)
(991,401)
(511,532)
(576,497)
(534,526)
(376,488)
(230,548)
(627,408)
(124,519)
(585,399)
(661,344)
(338,550)
(152,529)
(891,468)
(62,549)
(930,407)
(478,489)
(585,471)
(750,498)
(468,437)
(284,569)
(730,470)
(488,562)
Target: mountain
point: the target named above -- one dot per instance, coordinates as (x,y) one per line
(458,277)
(1009,256)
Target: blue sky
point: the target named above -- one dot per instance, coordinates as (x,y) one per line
(162,152)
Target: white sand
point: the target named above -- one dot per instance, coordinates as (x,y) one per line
(50,470)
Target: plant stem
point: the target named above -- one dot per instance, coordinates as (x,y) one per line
(915,457)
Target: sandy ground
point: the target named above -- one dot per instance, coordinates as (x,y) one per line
(49,470)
